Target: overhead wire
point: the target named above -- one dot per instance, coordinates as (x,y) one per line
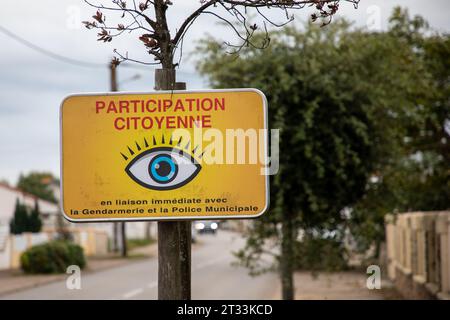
(60,57)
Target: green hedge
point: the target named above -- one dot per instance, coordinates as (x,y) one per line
(52,257)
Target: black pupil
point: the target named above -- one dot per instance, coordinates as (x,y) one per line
(163,168)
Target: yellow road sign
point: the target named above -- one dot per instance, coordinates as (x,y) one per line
(164,155)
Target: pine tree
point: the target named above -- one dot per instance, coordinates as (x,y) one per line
(19,223)
(35,223)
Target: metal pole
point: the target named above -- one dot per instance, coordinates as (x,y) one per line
(174,237)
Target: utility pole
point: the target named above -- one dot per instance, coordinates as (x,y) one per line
(124,239)
(114,87)
(174,237)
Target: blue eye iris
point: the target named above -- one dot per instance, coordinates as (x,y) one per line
(163,168)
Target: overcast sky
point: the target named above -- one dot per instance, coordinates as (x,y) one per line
(32,85)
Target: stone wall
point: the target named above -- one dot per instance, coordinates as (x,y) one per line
(418,254)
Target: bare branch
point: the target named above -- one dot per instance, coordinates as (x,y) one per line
(126,58)
(157,38)
(191,18)
(149,21)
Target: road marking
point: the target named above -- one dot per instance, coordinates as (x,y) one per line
(132,293)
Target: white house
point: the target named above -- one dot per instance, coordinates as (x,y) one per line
(133,229)
(93,240)
(8,198)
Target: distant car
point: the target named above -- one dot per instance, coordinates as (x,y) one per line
(206,226)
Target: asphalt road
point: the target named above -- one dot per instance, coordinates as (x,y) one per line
(213,277)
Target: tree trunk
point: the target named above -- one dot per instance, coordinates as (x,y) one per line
(162,34)
(174,237)
(287,258)
(114,88)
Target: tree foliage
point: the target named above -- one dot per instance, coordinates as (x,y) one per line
(19,222)
(24,221)
(344,99)
(38,184)
(416,177)
(34,220)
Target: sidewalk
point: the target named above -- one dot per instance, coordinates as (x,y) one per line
(15,280)
(348,285)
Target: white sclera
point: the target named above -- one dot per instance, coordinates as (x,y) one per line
(140,169)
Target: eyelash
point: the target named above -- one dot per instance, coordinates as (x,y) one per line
(145,145)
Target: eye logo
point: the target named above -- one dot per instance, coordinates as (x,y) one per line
(162,167)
